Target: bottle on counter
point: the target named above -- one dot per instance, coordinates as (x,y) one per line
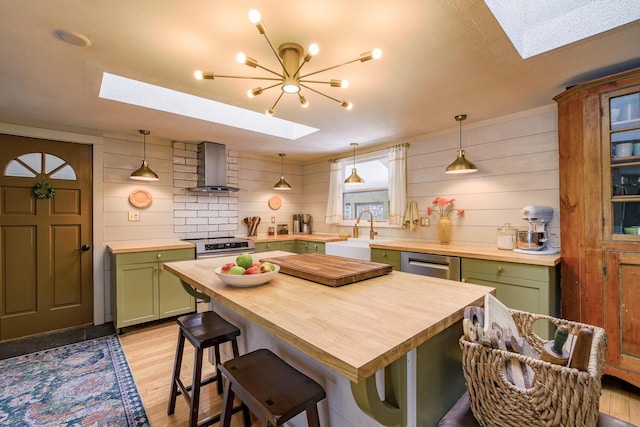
(296,224)
(506,238)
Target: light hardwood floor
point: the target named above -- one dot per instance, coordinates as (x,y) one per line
(151,351)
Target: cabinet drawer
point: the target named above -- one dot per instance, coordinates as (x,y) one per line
(386,256)
(268,246)
(155,256)
(499,269)
(316,247)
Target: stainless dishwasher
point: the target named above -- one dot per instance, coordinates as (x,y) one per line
(442,266)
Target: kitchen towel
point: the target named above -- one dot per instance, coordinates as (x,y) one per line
(411,216)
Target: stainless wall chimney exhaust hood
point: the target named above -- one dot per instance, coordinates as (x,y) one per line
(212,168)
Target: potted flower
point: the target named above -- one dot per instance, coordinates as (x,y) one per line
(443,208)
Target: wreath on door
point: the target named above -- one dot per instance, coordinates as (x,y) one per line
(49,190)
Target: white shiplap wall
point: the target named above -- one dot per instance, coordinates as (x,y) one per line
(517,158)
(121,157)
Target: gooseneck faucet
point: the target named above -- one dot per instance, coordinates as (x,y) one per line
(372,233)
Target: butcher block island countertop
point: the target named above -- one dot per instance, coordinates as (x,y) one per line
(355,329)
(467,251)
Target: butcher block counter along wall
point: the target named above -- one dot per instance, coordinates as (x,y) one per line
(407,325)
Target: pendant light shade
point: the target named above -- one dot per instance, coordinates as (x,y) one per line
(461,164)
(282,184)
(144,173)
(354,178)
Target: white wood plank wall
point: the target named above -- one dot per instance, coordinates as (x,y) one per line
(121,157)
(517,158)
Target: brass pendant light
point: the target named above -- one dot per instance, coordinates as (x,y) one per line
(282,184)
(354,178)
(461,164)
(144,173)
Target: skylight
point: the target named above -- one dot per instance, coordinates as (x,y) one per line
(535,27)
(122,89)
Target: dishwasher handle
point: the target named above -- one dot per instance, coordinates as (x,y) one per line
(425,264)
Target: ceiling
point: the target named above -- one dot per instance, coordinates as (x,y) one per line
(440,58)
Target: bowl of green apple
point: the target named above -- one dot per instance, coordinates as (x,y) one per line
(245,272)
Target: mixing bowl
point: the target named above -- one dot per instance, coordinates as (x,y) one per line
(532,240)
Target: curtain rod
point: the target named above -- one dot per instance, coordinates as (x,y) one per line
(337,159)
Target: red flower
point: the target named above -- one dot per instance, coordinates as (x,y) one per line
(443,207)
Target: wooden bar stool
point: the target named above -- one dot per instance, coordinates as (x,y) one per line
(272,389)
(203,330)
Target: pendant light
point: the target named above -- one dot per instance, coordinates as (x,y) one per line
(354,178)
(461,164)
(282,184)
(144,173)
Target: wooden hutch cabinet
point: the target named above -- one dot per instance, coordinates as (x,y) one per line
(599,150)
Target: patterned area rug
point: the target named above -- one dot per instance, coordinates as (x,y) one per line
(83,384)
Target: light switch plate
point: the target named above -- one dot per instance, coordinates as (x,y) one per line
(425,221)
(134,216)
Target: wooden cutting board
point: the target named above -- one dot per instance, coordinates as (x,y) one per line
(328,269)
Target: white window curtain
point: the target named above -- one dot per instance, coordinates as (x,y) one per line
(334,203)
(397,183)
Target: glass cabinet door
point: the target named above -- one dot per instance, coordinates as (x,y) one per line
(621,142)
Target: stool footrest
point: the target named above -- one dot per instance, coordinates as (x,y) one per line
(215,418)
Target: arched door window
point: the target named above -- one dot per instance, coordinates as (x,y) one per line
(33,164)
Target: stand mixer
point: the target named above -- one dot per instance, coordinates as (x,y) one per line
(535,240)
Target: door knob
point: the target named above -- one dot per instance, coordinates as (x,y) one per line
(85,247)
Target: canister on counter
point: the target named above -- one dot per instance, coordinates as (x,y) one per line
(506,237)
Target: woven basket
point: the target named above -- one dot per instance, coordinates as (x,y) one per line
(559,396)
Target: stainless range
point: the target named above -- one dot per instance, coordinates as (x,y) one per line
(222,246)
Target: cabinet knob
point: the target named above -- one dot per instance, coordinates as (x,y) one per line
(464,279)
(159,255)
(384,254)
(268,245)
(499,269)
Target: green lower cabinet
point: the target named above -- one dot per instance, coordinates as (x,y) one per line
(316,247)
(289,246)
(386,256)
(308,247)
(142,291)
(302,247)
(531,288)
(268,246)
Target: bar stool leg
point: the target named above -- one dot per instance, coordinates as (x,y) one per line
(227,406)
(195,387)
(313,419)
(176,374)
(216,352)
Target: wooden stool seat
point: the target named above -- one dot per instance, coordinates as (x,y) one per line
(272,389)
(202,330)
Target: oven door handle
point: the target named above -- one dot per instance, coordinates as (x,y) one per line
(194,292)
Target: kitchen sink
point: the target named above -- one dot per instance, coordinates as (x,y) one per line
(352,248)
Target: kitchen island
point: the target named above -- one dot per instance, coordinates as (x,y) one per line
(404,325)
